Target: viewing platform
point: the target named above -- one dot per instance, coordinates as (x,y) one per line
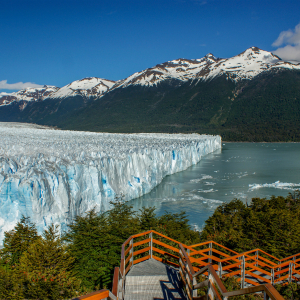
(156,267)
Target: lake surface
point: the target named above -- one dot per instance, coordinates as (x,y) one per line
(239,170)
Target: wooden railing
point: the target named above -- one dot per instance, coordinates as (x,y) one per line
(215,287)
(98,295)
(256,267)
(252,267)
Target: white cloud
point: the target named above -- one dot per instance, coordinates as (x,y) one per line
(18,85)
(290,42)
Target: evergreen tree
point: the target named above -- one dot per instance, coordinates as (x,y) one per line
(18,241)
(48,267)
(89,242)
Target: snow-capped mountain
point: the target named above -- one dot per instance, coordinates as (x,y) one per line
(28,94)
(246,65)
(87,87)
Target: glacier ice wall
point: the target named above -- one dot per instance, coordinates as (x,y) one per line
(54,175)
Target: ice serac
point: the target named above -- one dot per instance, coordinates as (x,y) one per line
(54,175)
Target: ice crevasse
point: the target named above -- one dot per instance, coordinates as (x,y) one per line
(53,175)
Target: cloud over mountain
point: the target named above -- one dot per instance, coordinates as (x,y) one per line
(290,42)
(18,85)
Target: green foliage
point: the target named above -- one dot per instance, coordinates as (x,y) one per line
(48,267)
(95,240)
(38,267)
(289,291)
(272,225)
(18,240)
(265,108)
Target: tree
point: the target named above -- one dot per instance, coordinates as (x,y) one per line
(89,242)
(48,267)
(18,241)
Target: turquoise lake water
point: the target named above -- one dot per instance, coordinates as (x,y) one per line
(238,170)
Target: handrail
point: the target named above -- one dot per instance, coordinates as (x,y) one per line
(98,295)
(250,266)
(214,279)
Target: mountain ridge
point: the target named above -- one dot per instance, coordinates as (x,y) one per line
(254,96)
(245,65)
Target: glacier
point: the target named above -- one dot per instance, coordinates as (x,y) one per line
(53,175)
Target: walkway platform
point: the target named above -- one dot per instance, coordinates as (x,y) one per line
(153,280)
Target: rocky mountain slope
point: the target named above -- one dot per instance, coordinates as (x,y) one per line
(253,96)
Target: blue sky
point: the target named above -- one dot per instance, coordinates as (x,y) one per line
(57,42)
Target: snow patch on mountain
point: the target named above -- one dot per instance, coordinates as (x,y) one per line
(87,87)
(28,94)
(246,65)
(53,175)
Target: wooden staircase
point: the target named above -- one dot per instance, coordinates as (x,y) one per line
(154,266)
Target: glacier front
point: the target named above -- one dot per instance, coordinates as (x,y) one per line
(53,175)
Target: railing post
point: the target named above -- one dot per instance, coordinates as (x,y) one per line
(256,257)
(220,269)
(210,253)
(131,251)
(243,272)
(210,294)
(266,297)
(272,276)
(290,271)
(151,243)
(195,291)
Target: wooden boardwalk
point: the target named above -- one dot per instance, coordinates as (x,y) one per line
(153,280)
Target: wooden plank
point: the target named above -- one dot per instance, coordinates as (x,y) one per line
(281,272)
(157,258)
(128,258)
(115,281)
(141,251)
(217,280)
(221,253)
(268,261)
(164,252)
(187,259)
(257,269)
(233,273)
(201,271)
(249,290)
(235,258)
(128,268)
(284,264)
(127,241)
(258,277)
(237,265)
(281,278)
(215,292)
(199,262)
(269,255)
(141,259)
(164,245)
(128,249)
(141,242)
(251,281)
(201,284)
(272,292)
(164,236)
(142,233)
(122,260)
(201,244)
(102,294)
